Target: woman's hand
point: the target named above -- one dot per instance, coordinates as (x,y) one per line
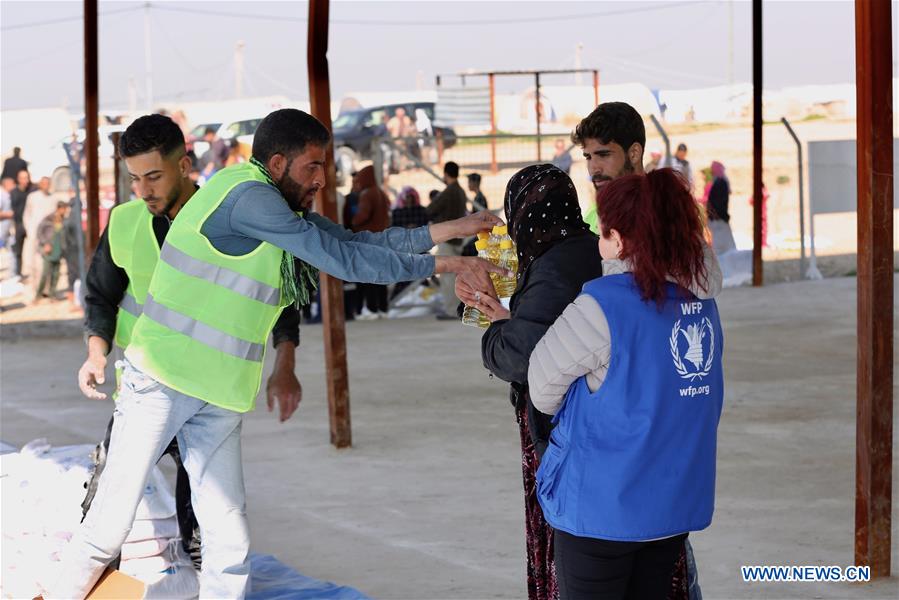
(472,272)
(491,307)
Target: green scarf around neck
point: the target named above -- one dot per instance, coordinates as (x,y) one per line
(297,288)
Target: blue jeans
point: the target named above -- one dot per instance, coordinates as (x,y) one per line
(147,416)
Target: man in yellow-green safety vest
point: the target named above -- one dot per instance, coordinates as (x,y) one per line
(194,362)
(117,281)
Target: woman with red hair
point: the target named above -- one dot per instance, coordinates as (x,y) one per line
(632,372)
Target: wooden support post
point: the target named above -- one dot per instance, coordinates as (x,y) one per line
(120,194)
(91,126)
(537,111)
(493,167)
(874,410)
(595,88)
(757,87)
(331,288)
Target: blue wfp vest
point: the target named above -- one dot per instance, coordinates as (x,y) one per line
(635,460)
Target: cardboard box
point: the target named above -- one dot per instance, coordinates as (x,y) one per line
(115,585)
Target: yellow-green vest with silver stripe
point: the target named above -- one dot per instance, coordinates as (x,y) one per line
(133,248)
(207,315)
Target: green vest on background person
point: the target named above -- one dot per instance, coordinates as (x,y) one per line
(207,315)
(591,218)
(133,247)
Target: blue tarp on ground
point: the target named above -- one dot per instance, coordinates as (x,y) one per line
(271,579)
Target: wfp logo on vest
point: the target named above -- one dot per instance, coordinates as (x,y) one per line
(698,341)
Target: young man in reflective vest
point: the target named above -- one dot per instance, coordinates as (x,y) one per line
(153,149)
(194,363)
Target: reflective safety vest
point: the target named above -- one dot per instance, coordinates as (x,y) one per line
(591,218)
(133,247)
(207,315)
(635,460)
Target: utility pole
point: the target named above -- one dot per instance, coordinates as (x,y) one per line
(326,204)
(132,95)
(148,61)
(238,69)
(578,80)
(757,122)
(730,43)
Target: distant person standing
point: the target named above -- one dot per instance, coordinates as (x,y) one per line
(14,164)
(372,215)
(401,128)
(717,208)
(52,245)
(234,155)
(352,298)
(6,214)
(562,158)
(215,157)
(679,163)
(479,201)
(70,255)
(40,204)
(448,205)
(400,125)
(655,157)
(18,199)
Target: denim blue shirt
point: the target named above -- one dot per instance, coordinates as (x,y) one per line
(254,212)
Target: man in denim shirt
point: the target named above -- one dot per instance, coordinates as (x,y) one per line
(270,205)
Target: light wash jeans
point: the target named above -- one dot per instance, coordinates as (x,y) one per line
(147,416)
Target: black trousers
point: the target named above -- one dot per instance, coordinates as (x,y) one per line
(17,246)
(594,569)
(375,296)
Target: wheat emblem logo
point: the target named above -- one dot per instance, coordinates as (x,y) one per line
(694,334)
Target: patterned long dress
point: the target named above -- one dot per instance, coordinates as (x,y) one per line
(541,570)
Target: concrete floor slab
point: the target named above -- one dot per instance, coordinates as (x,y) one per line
(427,504)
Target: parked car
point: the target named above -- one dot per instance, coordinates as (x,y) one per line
(242,130)
(354,131)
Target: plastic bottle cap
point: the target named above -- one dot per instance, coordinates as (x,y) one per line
(483,235)
(500,230)
(505,244)
(481,245)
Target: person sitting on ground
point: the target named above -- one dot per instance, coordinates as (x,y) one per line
(409,212)
(632,373)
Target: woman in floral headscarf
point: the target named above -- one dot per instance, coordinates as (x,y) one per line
(557,255)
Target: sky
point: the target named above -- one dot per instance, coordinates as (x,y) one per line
(397,46)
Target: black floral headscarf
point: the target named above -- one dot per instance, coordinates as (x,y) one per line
(541,209)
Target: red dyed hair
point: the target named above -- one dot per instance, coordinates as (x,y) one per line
(660,228)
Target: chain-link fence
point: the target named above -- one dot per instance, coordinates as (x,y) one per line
(418,162)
